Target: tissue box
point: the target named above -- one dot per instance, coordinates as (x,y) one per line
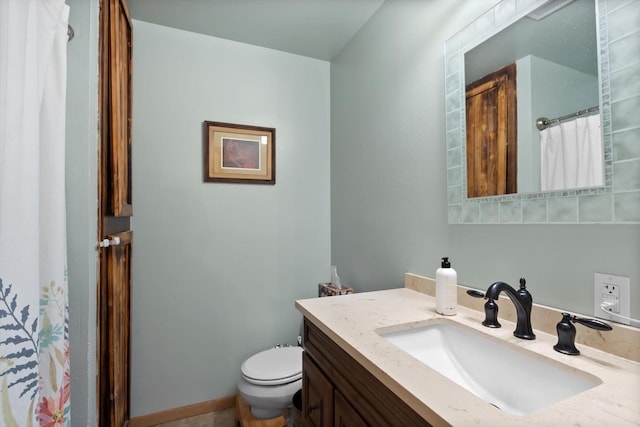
(326,290)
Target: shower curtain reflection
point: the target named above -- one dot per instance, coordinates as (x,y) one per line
(571,155)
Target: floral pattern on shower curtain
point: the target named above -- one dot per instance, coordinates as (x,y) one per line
(34,324)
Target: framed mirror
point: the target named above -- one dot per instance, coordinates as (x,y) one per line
(617,94)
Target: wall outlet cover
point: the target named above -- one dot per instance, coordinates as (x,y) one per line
(614,292)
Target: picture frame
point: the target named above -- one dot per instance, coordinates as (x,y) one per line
(241,154)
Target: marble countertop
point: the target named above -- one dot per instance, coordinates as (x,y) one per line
(352,321)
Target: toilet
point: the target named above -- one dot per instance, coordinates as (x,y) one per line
(269,380)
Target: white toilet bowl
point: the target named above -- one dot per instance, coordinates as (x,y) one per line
(269,380)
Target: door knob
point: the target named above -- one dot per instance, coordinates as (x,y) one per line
(106,242)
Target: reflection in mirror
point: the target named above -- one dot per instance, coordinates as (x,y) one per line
(544,65)
(618,64)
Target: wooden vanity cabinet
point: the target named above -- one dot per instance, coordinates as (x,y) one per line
(317,395)
(338,391)
(345,414)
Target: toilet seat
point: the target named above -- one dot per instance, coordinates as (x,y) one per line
(275,366)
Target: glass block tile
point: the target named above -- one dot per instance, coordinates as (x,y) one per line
(454,195)
(454,44)
(623,15)
(455,214)
(625,82)
(624,114)
(563,209)
(626,175)
(453,65)
(468,36)
(522,5)
(626,145)
(621,50)
(627,206)
(511,212)
(454,139)
(453,119)
(454,176)
(451,83)
(485,25)
(534,210)
(470,212)
(598,208)
(454,157)
(489,212)
(505,12)
(453,101)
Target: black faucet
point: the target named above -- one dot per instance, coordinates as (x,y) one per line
(567,332)
(522,300)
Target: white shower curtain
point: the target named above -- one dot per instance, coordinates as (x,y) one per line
(571,155)
(34,328)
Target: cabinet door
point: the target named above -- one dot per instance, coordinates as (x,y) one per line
(345,415)
(317,396)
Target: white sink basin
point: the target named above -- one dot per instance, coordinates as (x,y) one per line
(514,380)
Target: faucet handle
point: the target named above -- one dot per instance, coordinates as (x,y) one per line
(592,323)
(490,309)
(567,332)
(475,294)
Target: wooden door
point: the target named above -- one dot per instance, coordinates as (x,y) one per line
(114,212)
(118,302)
(492,134)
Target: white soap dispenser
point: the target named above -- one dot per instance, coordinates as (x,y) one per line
(446,289)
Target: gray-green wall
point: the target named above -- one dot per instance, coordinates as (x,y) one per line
(388,176)
(82,220)
(217,266)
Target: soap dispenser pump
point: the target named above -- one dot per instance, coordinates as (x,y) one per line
(446,289)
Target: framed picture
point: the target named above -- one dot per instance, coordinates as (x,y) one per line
(239,153)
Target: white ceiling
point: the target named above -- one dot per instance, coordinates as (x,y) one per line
(315,28)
